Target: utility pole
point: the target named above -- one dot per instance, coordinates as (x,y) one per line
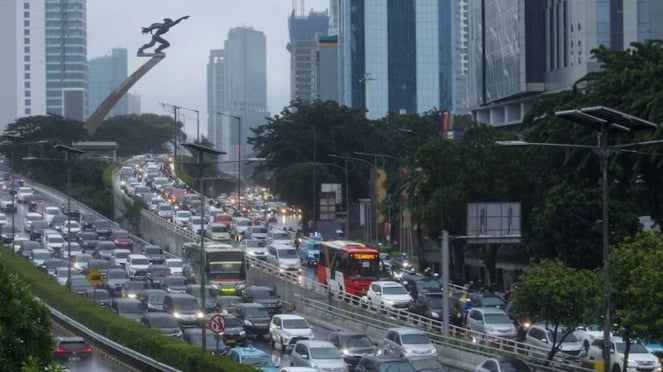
(175,109)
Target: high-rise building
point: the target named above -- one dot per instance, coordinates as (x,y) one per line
(326,69)
(133,104)
(303,49)
(106,74)
(237,91)
(66,57)
(22,61)
(522,48)
(461,67)
(395,56)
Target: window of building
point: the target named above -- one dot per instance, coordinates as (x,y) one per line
(26,23)
(26,6)
(27,102)
(26,14)
(26,67)
(26,41)
(26,49)
(27,93)
(27,76)
(27,111)
(26,85)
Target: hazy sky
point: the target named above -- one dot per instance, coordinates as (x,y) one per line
(180,79)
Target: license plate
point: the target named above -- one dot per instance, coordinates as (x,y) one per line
(230,341)
(74,358)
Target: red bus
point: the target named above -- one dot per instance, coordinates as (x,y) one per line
(347,267)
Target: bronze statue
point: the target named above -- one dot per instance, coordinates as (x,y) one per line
(158,29)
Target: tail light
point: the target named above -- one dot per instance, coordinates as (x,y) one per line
(60,351)
(87,350)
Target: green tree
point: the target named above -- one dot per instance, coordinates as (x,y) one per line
(635,288)
(139,134)
(25,327)
(295,184)
(560,296)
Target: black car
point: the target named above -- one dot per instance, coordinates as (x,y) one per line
(487,299)
(227,304)
(58,221)
(265,296)
(103,228)
(26,248)
(234,333)
(174,284)
(194,336)
(104,249)
(7,232)
(50,265)
(162,322)
(131,288)
(154,254)
(378,364)
(101,265)
(72,349)
(79,284)
(99,296)
(156,274)
(211,293)
(115,278)
(418,284)
(153,299)
(255,318)
(353,345)
(88,240)
(37,229)
(87,222)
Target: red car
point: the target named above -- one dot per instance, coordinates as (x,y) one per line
(122,239)
(72,349)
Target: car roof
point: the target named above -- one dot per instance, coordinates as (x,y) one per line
(490,310)
(316,343)
(387,283)
(290,316)
(346,333)
(126,300)
(251,304)
(405,330)
(245,351)
(154,315)
(69,339)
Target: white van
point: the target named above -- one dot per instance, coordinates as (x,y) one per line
(284,257)
(136,262)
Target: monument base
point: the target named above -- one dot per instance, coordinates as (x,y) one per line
(143,54)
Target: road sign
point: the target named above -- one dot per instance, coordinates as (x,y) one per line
(94,277)
(217,323)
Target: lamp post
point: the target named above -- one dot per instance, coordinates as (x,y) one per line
(239,153)
(202,150)
(605,120)
(68,150)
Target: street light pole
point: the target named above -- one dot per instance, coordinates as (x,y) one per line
(68,150)
(202,150)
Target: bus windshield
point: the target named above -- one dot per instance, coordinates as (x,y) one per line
(366,267)
(225,270)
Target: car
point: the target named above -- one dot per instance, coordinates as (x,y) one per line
(639,357)
(88,240)
(430,306)
(103,228)
(17,239)
(29,218)
(539,339)
(115,280)
(87,221)
(194,225)
(253,357)
(129,308)
(101,265)
(70,228)
(265,296)
(487,299)
(419,284)
(287,329)
(227,304)
(297,369)
(3,219)
(353,345)
(309,249)
(184,308)
(131,288)
(285,257)
(39,256)
(99,296)
(153,299)
(79,284)
(162,322)
(278,236)
(165,210)
(27,247)
(371,363)
(194,336)
(406,342)
(239,227)
(24,193)
(37,229)
(72,349)
(254,248)
(174,265)
(122,239)
(7,203)
(174,284)
(79,260)
(156,275)
(586,333)
(182,217)
(57,222)
(255,317)
(491,322)
(154,254)
(387,295)
(322,355)
(211,293)
(426,364)
(62,274)
(50,266)
(503,365)
(54,243)
(234,334)
(256,232)
(119,257)
(104,249)
(135,263)
(7,232)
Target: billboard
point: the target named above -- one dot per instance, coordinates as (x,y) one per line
(493,223)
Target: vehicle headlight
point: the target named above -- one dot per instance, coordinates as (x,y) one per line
(345,352)
(433,351)
(131,295)
(398,275)
(364,299)
(242,333)
(526,325)
(177,315)
(434,314)
(490,329)
(388,301)
(407,352)
(632,363)
(248,323)
(199,315)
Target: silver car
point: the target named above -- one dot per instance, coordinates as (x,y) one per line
(491,322)
(321,355)
(406,342)
(540,341)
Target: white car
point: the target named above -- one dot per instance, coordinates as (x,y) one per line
(407,342)
(174,265)
(639,357)
(50,212)
(61,274)
(29,218)
(3,219)
(284,257)
(119,257)
(492,322)
(23,193)
(254,248)
(165,210)
(239,226)
(539,338)
(586,334)
(287,329)
(386,295)
(71,226)
(75,249)
(195,224)
(53,242)
(136,262)
(256,232)
(182,217)
(322,355)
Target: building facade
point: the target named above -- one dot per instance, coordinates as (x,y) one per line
(237,91)
(304,31)
(522,48)
(22,61)
(66,58)
(396,56)
(105,75)
(326,68)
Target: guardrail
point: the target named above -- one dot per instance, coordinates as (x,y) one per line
(314,296)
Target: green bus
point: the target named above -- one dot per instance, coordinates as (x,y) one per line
(223,266)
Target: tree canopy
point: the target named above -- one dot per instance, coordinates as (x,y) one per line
(139,134)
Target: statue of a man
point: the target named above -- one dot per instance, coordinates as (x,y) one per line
(158,29)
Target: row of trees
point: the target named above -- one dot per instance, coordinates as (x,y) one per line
(566,297)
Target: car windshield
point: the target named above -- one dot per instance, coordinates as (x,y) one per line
(140,261)
(174,263)
(175,280)
(152,251)
(184,214)
(295,324)
(257,360)
(122,255)
(80,283)
(491,301)
(219,228)
(636,348)
(280,236)
(258,312)
(288,253)
(116,274)
(41,256)
(229,300)
(395,366)
(102,224)
(244,223)
(394,290)
(513,365)
(163,322)
(159,272)
(255,244)
(62,272)
(130,307)
(121,235)
(55,239)
(259,230)
(325,353)
(415,339)
(497,318)
(263,293)
(100,295)
(133,286)
(356,341)
(434,302)
(428,284)
(427,364)
(156,297)
(232,322)
(186,304)
(197,338)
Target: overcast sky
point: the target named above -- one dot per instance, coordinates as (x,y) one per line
(180,79)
